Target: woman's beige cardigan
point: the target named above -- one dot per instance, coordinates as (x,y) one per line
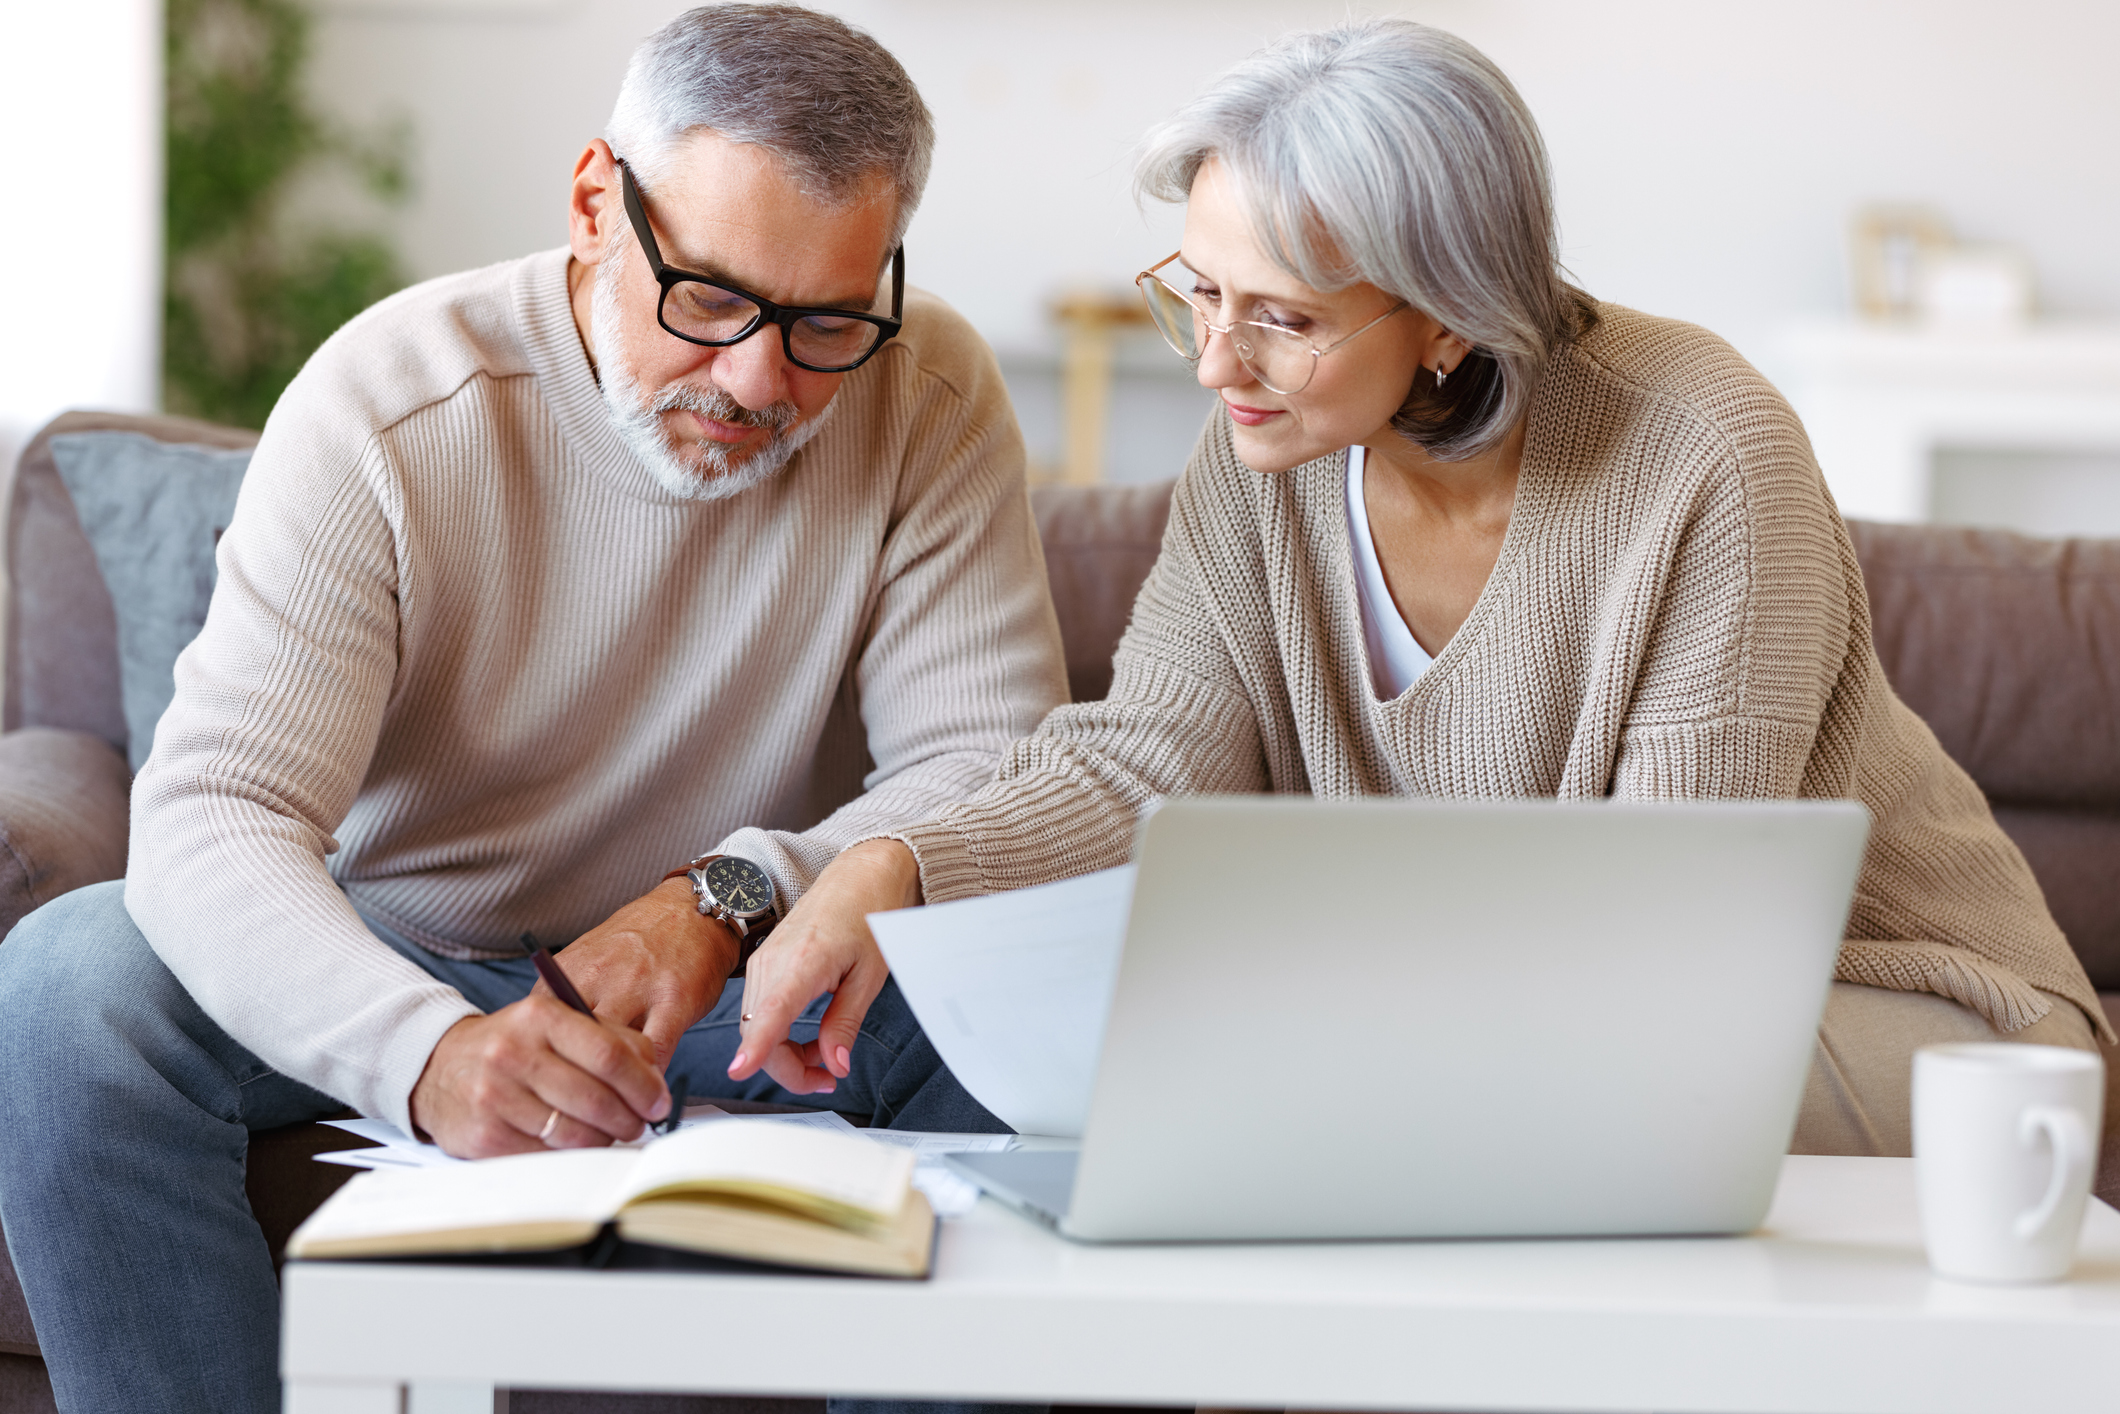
(1677,613)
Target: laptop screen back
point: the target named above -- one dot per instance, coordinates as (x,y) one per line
(1413,1018)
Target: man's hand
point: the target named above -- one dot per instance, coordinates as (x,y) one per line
(657,965)
(823,945)
(537,1075)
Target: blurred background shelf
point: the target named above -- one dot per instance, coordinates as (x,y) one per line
(2016,427)
(1125,410)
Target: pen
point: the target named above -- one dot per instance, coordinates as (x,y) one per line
(548,968)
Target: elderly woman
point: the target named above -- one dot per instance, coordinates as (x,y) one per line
(1458,530)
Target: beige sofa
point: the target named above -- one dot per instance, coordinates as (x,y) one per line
(2009,646)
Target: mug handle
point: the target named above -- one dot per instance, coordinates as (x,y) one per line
(2071,1139)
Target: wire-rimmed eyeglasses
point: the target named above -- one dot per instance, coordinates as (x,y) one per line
(715,313)
(1283,360)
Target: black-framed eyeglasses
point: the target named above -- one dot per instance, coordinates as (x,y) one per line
(716,314)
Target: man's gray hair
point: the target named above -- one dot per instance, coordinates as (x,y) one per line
(1389,152)
(825,98)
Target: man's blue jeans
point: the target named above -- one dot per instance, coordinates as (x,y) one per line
(125,1115)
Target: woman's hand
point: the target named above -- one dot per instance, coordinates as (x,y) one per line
(823,945)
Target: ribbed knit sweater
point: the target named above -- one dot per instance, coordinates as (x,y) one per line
(1676,613)
(470,670)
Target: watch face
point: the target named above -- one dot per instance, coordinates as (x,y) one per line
(739,885)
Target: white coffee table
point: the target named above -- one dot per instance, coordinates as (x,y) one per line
(1829,1308)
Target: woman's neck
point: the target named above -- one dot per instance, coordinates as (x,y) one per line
(1477,490)
(1438,528)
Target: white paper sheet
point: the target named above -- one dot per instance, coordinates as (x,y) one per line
(367,1159)
(924,1142)
(1013,989)
(363,1158)
(399,1149)
(810,1119)
(948,1193)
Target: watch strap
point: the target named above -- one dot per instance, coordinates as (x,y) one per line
(747,941)
(689,865)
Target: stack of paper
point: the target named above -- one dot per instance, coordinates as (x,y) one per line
(949,1194)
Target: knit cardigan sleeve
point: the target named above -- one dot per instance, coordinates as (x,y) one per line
(1749,616)
(1760,680)
(1178,720)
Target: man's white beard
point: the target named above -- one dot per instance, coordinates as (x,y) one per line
(711,475)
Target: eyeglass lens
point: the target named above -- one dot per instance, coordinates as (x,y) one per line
(699,310)
(1279,358)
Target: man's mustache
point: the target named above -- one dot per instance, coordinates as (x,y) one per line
(719,406)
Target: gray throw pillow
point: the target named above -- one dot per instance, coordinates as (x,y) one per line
(152,512)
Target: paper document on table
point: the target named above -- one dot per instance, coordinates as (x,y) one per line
(398,1149)
(368,1159)
(806,1119)
(947,1193)
(923,1142)
(1013,988)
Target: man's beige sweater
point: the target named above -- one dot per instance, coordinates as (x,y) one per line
(1676,613)
(470,670)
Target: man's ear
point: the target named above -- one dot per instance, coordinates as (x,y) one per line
(594,203)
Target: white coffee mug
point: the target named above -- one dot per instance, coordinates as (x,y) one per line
(2005,1138)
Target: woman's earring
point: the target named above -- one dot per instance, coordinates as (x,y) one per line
(1440,375)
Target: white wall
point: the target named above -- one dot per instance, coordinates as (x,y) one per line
(81,119)
(1707,154)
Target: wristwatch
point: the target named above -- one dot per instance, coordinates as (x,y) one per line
(736,892)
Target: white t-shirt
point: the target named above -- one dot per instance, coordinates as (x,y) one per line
(1396,658)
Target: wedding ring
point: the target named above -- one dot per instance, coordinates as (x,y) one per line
(544,1136)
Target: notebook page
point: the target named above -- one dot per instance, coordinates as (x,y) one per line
(846,1171)
(950,1195)
(570,1185)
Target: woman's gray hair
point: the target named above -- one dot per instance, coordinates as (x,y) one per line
(825,98)
(1390,153)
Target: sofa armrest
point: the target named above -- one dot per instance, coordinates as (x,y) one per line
(63,816)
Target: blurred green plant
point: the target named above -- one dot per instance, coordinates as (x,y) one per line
(250,293)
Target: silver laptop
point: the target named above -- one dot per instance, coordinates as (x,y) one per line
(1396,1018)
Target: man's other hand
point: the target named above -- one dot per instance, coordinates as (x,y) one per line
(823,945)
(657,965)
(537,1075)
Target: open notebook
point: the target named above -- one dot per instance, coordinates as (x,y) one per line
(757,1192)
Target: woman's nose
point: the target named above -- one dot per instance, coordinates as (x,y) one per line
(1219,366)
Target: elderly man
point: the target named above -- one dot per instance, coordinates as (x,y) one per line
(697,550)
